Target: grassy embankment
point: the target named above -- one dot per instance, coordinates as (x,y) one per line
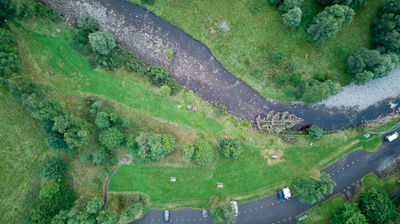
(256,31)
(247,178)
(323,212)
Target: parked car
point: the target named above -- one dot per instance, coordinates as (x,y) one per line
(235,209)
(392,137)
(166,215)
(286,193)
(280,195)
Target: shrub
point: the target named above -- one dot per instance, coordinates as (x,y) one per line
(131,142)
(376,206)
(8,43)
(188,150)
(327,23)
(155,146)
(9,64)
(110,138)
(220,110)
(117,58)
(94,205)
(169,53)
(101,156)
(315,132)
(55,168)
(102,120)
(125,123)
(203,153)
(289,138)
(277,56)
(287,5)
(50,190)
(158,75)
(281,79)
(102,42)
(138,65)
(175,88)
(230,148)
(312,190)
(293,17)
(165,90)
(87,24)
(148,2)
(363,77)
(56,140)
(348,214)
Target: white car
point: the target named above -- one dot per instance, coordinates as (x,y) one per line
(235,209)
(392,137)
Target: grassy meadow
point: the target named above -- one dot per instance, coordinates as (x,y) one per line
(256,31)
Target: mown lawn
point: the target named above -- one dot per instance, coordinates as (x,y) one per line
(323,212)
(256,31)
(22,148)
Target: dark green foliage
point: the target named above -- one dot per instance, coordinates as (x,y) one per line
(132,211)
(56,140)
(102,42)
(46,13)
(101,156)
(125,123)
(219,110)
(55,168)
(376,206)
(94,205)
(60,218)
(203,153)
(138,65)
(287,5)
(24,8)
(107,217)
(363,77)
(281,79)
(230,148)
(50,190)
(117,58)
(348,214)
(327,23)
(295,79)
(350,3)
(5,10)
(289,138)
(80,41)
(386,28)
(227,212)
(9,63)
(87,24)
(148,2)
(333,87)
(131,142)
(315,132)
(46,109)
(158,75)
(293,17)
(312,91)
(155,146)
(102,120)
(110,138)
(312,190)
(7,41)
(277,56)
(371,60)
(175,88)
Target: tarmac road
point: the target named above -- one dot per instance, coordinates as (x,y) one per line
(346,172)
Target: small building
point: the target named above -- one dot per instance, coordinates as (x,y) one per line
(172,179)
(220,185)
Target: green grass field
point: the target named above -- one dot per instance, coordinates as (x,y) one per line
(323,212)
(256,31)
(22,148)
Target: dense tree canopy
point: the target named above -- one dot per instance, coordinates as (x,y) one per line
(203,153)
(87,24)
(348,214)
(350,3)
(101,156)
(155,146)
(230,148)
(9,63)
(386,28)
(312,190)
(102,42)
(315,132)
(110,138)
(55,168)
(293,17)
(376,206)
(102,120)
(327,23)
(94,205)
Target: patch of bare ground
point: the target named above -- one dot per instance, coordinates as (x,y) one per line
(273,156)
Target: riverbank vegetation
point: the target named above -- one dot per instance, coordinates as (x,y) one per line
(83,108)
(279,62)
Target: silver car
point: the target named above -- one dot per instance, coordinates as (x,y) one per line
(166,215)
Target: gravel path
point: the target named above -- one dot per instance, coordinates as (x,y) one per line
(367,95)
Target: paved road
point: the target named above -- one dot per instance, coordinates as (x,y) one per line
(346,172)
(194,66)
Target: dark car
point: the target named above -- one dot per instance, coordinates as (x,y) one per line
(280,195)
(166,215)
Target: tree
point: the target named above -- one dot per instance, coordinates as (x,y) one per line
(227,212)
(50,190)
(56,140)
(371,60)
(94,205)
(348,214)
(7,40)
(101,156)
(230,148)
(363,77)
(293,17)
(350,3)
(5,10)
(203,153)
(158,75)
(87,24)
(155,146)
(376,206)
(102,42)
(327,23)
(60,218)
(315,132)
(188,150)
(110,138)
(102,120)
(131,142)
(55,168)
(386,28)
(312,190)
(107,217)
(165,90)
(313,91)
(9,64)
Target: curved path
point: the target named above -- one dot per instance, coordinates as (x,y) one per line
(194,66)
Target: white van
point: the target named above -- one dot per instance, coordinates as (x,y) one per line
(392,137)
(235,209)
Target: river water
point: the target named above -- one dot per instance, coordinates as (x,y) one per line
(193,65)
